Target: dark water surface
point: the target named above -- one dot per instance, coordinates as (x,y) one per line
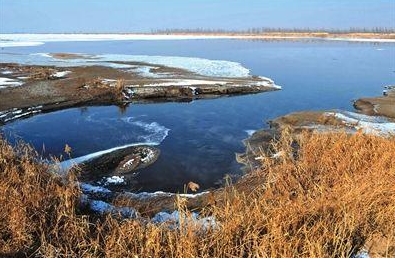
(198,140)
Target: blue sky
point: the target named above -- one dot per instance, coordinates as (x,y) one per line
(145,15)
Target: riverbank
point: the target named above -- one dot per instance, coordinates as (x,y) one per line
(284,35)
(375,116)
(332,197)
(30,89)
(380,106)
(15,40)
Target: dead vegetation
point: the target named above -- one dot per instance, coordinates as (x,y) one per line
(42,73)
(115,88)
(331,198)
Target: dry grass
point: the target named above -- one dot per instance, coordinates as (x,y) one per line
(333,196)
(42,73)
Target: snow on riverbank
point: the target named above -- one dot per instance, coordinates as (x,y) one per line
(36,39)
(154,134)
(368,124)
(17,40)
(201,66)
(9,82)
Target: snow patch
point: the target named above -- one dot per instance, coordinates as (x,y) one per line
(102,207)
(175,218)
(368,124)
(9,82)
(36,39)
(363,253)
(362,40)
(145,71)
(88,188)
(18,43)
(61,74)
(12,114)
(115,180)
(202,66)
(7,72)
(186,82)
(148,157)
(128,163)
(206,67)
(250,132)
(193,89)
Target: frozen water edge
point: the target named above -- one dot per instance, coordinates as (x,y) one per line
(368,124)
(19,43)
(10,40)
(201,66)
(67,164)
(186,82)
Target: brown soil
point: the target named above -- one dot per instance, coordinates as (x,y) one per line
(382,106)
(62,55)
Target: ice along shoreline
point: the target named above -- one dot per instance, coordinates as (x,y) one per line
(17,40)
(53,81)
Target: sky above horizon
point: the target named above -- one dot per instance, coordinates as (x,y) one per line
(48,16)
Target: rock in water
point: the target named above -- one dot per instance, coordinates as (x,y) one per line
(119,162)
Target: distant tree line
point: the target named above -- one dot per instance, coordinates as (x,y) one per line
(262,30)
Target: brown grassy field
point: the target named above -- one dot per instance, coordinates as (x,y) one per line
(331,197)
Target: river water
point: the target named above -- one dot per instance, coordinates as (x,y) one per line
(198,140)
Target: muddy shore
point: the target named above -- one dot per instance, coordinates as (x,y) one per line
(375,116)
(382,106)
(26,89)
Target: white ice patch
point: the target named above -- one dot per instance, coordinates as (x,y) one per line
(102,207)
(368,124)
(18,43)
(362,40)
(186,82)
(115,180)
(9,82)
(206,67)
(61,74)
(38,39)
(128,163)
(202,66)
(150,195)
(175,218)
(88,188)
(265,81)
(193,89)
(146,71)
(362,254)
(7,72)
(156,132)
(250,132)
(15,113)
(148,157)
